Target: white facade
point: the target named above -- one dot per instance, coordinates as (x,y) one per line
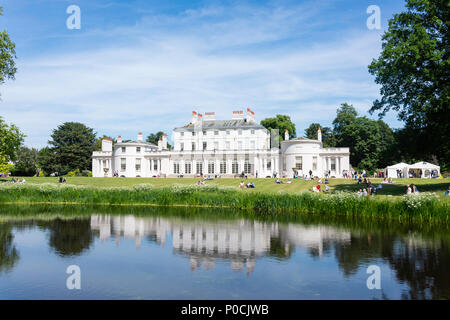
(240,242)
(219,147)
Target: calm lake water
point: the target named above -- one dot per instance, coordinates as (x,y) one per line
(215,255)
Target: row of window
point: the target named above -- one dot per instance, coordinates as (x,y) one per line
(235,167)
(299,163)
(123,164)
(216,145)
(216,132)
(124,149)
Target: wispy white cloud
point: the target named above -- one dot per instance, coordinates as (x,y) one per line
(211,59)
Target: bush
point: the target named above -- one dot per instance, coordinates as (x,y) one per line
(78,173)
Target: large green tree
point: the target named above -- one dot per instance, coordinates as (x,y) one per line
(45,160)
(7,55)
(71,148)
(345,115)
(370,141)
(328,138)
(26,162)
(414,73)
(10,140)
(282,123)
(154,137)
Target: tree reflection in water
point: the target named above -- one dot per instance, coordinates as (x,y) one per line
(418,261)
(423,265)
(69,237)
(8,252)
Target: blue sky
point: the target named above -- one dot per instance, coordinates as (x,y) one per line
(145,65)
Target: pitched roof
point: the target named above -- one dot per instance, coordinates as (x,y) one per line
(137,142)
(221,124)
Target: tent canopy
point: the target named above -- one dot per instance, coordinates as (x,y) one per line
(400,165)
(419,169)
(424,165)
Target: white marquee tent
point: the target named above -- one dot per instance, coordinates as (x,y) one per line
(392,170)
(424,169)
(420,169)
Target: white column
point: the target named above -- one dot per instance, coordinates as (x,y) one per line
(340,166)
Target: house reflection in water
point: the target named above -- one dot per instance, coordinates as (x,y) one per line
(205,242)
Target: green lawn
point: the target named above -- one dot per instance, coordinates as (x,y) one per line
(262,185)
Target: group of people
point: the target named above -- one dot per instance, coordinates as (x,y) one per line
(387,180)
(370,189)
(242,185)
(278,181)
(62,180)
(412,189)
(379,174)
(399,173)
(367,192)
(18,180)
(319,189)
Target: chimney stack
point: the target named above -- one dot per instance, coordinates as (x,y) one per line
(319,134)
(237,115)
(199,122)
(250,116)
(194,117)
(210,116)
(139,136)
(164,141)
(160,144)
(286,135)
(119,139)
(107,144)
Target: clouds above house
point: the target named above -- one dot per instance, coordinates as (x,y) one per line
(155,64)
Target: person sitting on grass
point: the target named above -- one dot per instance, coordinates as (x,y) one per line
(447,193)
(360,193)
(327,181)
(241,185)
(408,190)
(365,193)
(278,181)
(327,188)
(252,185)
(289,181)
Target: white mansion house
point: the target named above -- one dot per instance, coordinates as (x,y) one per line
(220,147)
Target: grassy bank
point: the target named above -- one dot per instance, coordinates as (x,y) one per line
(36,212)
(423,207)
(264,185)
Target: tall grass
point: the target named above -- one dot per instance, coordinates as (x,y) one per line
(422,207)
